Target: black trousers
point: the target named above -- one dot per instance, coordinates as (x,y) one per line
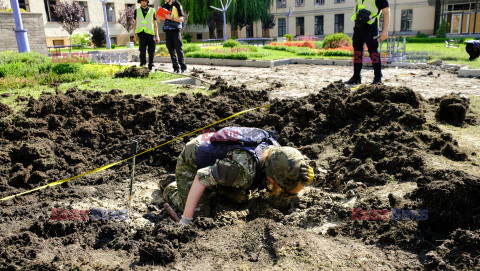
(367,34)
(146,41)
(174,46)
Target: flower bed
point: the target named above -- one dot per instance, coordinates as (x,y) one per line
(294,47)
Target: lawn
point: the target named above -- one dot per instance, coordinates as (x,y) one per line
(30,74)
(439,51)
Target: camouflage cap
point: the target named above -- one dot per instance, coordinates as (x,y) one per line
(283,165)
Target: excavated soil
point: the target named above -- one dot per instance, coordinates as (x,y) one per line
(368,148)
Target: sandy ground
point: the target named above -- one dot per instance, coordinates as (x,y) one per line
(301,80)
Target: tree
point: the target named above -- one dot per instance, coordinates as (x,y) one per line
(268,21)
(127,19)
(442,30)
(69,16)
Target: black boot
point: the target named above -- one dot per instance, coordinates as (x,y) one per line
(376,80)
(354,80)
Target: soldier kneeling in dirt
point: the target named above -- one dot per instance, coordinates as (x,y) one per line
(233,161)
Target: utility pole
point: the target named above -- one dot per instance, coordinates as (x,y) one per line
(104,3)
(224,10)
(20,33)
(288,18)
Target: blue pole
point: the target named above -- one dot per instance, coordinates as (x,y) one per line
(109,46)
(224,26)
(20,33)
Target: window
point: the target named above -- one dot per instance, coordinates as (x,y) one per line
(113,40)
(300,26)
(24,4)
(407,18)
(199,36)
(86,17)
(299,3)
(339,1)
(130,6)
(110,12)
(281,3)
(58,42)
(319,25)
(282,27)
(339,19)
(49,7)
(319,2)
(380,22)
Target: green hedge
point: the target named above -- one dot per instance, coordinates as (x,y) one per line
(203,54)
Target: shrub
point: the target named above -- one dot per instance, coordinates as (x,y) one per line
(162,51)
(184,41)
(442,30)
(187,37)
(289,37)
(99,36)
(63,68)
(113,45)
(336,40)
(231,43)
(84,39)
(421,35)
(191,48)
(234,38)
(23,64)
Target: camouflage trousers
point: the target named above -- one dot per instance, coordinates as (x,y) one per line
(176,193)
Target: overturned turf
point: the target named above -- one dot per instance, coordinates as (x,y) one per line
(371,138)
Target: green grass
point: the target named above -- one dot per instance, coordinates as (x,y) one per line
(150,87)
(439,51)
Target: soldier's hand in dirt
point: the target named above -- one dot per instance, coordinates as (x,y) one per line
(185,221)
(306,172)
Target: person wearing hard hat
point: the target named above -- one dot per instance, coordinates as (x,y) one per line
(233,161)
(146,31)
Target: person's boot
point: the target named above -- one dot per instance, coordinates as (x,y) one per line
(376,80)
(166,181)
(354,80)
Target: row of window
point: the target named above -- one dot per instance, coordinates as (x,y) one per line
(50,5)
(406,23)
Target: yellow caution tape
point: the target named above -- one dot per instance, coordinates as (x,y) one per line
(119,162)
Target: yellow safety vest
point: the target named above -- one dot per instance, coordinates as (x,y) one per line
(145,23)
(368,5)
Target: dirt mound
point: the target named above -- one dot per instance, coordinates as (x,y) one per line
(456,203)
(132,72)
(460,252)
(452,109)
(370,138)
(5,110)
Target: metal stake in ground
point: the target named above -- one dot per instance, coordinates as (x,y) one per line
(133,148)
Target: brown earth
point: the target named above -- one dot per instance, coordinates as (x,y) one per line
(369,149)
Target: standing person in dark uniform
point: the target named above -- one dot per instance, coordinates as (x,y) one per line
(365,31)
(146,30)
(172,27)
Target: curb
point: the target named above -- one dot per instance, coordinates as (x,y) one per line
(183,81)
(465,72)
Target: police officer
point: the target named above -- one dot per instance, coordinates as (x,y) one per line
(172,27)
(146,30)
(233,161)
(366,16)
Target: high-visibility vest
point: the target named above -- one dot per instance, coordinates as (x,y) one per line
(368,5)
(145,23)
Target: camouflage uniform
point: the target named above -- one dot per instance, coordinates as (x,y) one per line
(239,167)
